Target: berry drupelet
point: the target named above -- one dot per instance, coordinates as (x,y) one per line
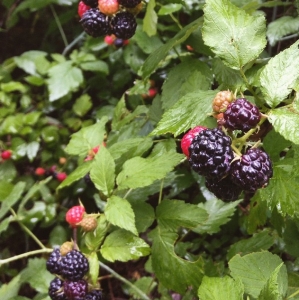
(75,290)
(53,262)
(211,153)
(56,291)
(74,265)
(241,115)
(252,171)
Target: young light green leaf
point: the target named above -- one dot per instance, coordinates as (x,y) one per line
(10,290)
(153,61)
(123,246)
(259,241)
(255,269)
(12,198)
(280,75)
(229,30)
(197,76)
(286,122)
(119,212)
(169,9)
(223,288)
(219,213)
(93,267)
(64,78)
(189,111)
(139,172)
(87,138)
(271,289)
(282,190)
(93,239)
(102,172)
(77,174)
(150,19)
(82,105)
(172,271)
(280,27)
(172,214)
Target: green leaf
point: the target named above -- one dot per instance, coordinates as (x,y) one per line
(271,290)
(219,213)
(119,212)
(169,9)
(87,138)
(36,275)
(5,189)
(255,269)
(123,246)
(285,122)
(12,198)
(77,174)
(153,61)
(280,75)
(221,289)
(172,214)
(289,235)
(150,19)
(144,215)
(102,171)
(95,66)
(259,241)
(93,267)
(189,111)
(82,105)
(280,27)
(172,271)
(7,171)
(64,78)
(145,284)
(228,30)
(197,76)
(10,290)
(139,172)
(282,190)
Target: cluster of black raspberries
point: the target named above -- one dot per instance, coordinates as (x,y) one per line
(106,17)
(211,154)
(69,283)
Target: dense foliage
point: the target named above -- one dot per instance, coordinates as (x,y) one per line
(87,122)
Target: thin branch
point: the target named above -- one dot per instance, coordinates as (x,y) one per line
(73,43)
(59,26)
(125,281)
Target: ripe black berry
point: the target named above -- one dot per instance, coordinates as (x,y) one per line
(253,170)
(123,25)
(56,291)
(95,23)
(53,262)
(88,180)
(94,295)
(129,3)
(211,154)
(91,3)
(74,265)
(75,290)
(241,115)
(224,189)
(118,43)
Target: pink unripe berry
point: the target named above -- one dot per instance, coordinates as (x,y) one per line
(6,154)
(109,39)
(40,171)
(188,138)
(75,215)
(82,8)
(61,176)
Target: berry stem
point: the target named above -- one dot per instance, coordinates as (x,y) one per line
(75,238)
(59,25)
(125,281)
(24,255)
(161,191)
(27,230)
(73,43)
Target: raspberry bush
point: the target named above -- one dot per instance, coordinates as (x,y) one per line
(149,150)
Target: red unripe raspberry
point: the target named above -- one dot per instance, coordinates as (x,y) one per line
(188,138)
(189,48)
(40,171)
(96,148)
(61,176)
(82,8)
(109,39)
(74,215)
(6,154)
(152,92)
(222,100)
(108,7)
(126,42)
